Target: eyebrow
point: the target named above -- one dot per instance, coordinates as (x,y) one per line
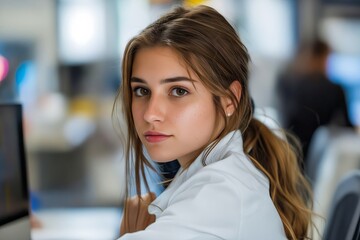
(166,80)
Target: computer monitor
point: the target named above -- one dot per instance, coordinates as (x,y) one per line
(14,196)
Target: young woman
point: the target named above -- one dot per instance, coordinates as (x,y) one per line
(185,96)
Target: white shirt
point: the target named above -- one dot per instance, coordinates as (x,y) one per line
(226,199)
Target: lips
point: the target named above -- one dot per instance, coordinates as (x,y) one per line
(155,137)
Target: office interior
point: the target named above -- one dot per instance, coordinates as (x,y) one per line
(61,60)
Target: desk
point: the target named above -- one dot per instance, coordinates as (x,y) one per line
(78,224)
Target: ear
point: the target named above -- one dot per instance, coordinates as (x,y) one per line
(228,105)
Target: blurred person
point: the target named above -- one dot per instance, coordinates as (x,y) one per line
(185,96)
(307,97)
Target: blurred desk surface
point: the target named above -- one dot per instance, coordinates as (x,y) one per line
(78,223)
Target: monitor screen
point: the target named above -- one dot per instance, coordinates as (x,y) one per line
(14,197)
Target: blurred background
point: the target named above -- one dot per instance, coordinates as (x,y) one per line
(61,59)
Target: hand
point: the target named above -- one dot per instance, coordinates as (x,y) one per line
(35,222)
(138,217)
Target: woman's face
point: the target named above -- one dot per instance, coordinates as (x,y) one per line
(173,112)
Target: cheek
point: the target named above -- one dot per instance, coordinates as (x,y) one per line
(136,114)
(196,118)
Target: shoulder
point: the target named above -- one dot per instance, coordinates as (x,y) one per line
(234,176)
(231,193)
(238,169)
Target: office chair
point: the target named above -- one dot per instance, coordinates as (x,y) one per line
(321,139)
(343,221)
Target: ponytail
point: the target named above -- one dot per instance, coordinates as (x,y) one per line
(289,189)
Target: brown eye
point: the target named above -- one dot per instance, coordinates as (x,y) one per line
(179,92)
(140,91)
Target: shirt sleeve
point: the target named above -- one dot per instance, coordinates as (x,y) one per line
(207,207)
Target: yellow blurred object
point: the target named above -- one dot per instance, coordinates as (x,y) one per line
(193,3)
(82,106)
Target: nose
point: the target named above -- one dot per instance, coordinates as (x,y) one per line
(155,109)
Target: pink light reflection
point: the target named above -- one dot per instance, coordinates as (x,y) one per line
(4,67)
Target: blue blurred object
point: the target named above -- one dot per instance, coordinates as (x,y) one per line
(344,70)
(35,203)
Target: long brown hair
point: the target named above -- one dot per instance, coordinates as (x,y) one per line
(211,48)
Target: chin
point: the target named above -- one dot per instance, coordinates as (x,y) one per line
(160,158)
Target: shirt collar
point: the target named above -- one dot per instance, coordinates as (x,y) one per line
(231,143)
